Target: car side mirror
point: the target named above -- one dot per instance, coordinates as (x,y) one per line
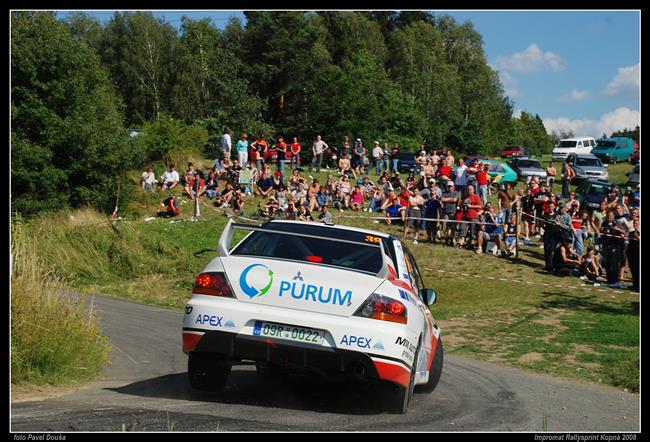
(429,295)
(606,165)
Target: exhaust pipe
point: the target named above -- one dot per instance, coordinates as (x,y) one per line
(357,370)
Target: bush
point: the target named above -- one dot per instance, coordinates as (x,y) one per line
(54,338)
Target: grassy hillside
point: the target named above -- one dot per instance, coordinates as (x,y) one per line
(506,311)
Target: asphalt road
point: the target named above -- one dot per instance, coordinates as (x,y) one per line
(145,389)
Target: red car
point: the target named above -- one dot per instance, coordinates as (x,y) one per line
(513,151)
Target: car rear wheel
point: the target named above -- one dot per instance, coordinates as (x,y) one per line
(434,372)
(207,371)
(402,395)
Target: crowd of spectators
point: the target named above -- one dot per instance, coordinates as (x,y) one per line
(442,201)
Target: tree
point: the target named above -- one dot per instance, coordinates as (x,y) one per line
(530,131)
(634,134)
(69,147)
(139,51)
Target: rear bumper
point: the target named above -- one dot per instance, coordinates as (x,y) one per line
(294,355)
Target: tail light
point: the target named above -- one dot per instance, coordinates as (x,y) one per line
(383,308)
(213,284)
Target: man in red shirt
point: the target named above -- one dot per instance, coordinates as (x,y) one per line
(482,181)
(404,198)
(471,206)
(295,153)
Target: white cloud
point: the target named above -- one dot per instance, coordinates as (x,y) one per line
(618,119)
(575,95)
(533,59)
(510,84)
(626,81)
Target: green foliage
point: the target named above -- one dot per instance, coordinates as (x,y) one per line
(69,146)
(172,140)
(529,131)
(634,134)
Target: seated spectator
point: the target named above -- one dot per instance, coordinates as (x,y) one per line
(566,261)
(170,178)
(591,266)
(395,210)
(211,184)
(281,197)
(227,195)
(294,179)
(195,185)
(510,236)
(270,208)
(376,200)
(303,214)
(356,198)
(148,179)
(190,172)
(325,216)
(264,186)
(299,194)
(168,207)
(319,200)
(490,231)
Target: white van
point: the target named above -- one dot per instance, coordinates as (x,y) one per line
(573,145)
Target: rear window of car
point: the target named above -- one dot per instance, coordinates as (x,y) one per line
(568,143)
(606,144)
(597,189)
(313,250)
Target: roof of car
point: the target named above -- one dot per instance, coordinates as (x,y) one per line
(577,139)
(317,228)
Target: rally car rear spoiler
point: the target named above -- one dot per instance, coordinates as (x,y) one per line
(223,246)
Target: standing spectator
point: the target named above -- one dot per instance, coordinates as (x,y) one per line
(317,149)
(346,149)
(377,157)
(242,149)
(506,197)
(597,218)
(170,178)
(168,207)
(461,178)
(281,149)
(624,222)
(415,203)
(551,236)
(564,225)
(542,197)
(394,155)
(550,175)
(633,252)
(482,178)
(295,153)
(432,210)
(386,157)
(576,223)
(148,179)
(226,144)
(613,244)
(444,174)
(359,158)
(568,174)
(471,205)
(449,200)
(528,216)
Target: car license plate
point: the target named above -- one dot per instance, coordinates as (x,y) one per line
(288,332)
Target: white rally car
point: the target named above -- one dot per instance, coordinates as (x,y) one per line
(313,297)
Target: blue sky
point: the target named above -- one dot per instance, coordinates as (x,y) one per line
(578,70)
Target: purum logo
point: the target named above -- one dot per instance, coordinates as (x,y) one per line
(252,291)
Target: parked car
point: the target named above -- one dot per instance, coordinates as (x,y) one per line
(591,192)
(633,176)
(573,145)
(614,149)
(501,170)
(315,299)
(135,132)
(587,166)
(527,168)
(471,158)
(406,162)
(513,151)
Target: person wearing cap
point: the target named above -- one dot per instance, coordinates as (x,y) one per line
(449,200)
(377,157)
